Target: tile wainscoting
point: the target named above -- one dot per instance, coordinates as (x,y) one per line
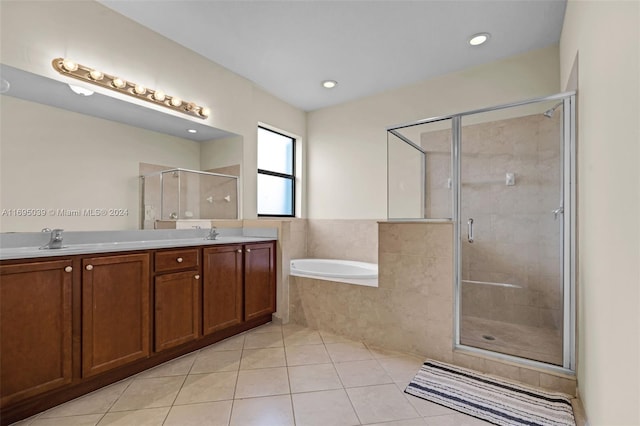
(411,310)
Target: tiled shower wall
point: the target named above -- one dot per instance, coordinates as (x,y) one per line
(517,239)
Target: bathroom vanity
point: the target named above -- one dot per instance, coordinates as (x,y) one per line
(73,321)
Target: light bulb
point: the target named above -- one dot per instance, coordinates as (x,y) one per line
(69,65)
(118,83)
(96,75)
(140,90)
(205,111)
(159,95)
(176,102)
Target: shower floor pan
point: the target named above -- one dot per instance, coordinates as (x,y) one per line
(539,344)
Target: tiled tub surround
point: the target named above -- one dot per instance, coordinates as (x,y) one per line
(315,238)
(411,310)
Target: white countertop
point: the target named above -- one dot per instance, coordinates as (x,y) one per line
(12,249)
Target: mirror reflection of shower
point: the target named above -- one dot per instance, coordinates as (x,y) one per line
(174,197)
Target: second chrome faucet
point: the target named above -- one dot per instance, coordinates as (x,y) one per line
(56,240)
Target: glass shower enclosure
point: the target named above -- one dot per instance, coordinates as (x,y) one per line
(505,177)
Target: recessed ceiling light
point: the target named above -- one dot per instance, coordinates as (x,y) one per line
(80,90)
(192,131)
(478,39)
(329,84)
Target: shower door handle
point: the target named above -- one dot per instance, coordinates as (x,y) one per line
(470,230)
(558,211)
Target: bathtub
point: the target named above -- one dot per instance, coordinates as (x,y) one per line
(344,271)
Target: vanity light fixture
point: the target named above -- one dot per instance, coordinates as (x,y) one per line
(329,84)
(478,39)
(89,75)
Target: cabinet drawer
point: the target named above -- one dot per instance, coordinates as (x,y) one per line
(175,260)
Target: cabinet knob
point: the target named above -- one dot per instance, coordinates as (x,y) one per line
(248,250)
(68,269)
(89,267)
(239,250)
(197,277)
(179,260)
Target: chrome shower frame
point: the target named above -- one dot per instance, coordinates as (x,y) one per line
(568,226)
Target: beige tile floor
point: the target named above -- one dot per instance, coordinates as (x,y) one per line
(270,376)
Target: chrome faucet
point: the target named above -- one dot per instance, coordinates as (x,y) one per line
(213,234)
(56,240)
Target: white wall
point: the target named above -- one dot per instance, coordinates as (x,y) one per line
(347,143)
(35,32)
(606,37)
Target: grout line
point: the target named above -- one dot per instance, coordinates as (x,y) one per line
(286,362)
(235,386)
(344,389)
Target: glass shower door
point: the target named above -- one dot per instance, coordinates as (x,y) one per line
(511,232)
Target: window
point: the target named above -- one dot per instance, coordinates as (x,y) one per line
(276,174)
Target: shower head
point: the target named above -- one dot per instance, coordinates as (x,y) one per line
(549,113)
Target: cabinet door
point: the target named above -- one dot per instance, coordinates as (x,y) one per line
(35,328)
(222,287)
(115,311)
(177,309)
(259,280)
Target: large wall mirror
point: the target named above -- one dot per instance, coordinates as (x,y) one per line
(74,162)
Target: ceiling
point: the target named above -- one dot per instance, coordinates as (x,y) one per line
(289,47)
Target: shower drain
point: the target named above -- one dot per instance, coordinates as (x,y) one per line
(488,337)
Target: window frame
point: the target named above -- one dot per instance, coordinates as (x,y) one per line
(291,177)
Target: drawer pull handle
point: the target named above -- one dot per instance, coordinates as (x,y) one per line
(248,250)
(179,260)
(89,267)
(68,269)
(197,277)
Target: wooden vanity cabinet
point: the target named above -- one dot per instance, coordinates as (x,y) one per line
(222,289)
(239,284)
(115,311)
(259,280)
(35,328)
(176,298)
(65,332)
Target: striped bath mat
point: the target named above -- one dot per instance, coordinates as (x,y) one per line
(489,398)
